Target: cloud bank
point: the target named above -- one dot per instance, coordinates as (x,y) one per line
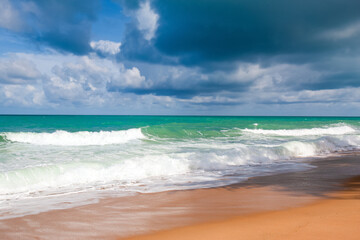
(184,57)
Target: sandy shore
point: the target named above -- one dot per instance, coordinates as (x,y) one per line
(258,203)
(334,218)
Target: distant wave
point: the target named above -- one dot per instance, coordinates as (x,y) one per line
(83,138)
(336,130)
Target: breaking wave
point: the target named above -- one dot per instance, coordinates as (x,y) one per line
(177,158)
(335,130)
(82,138)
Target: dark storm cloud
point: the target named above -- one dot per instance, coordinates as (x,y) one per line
(64,25)
(215,35)
(217,30)
(213,30)
(186,92)
(135,47)
(335,81)
(187,86)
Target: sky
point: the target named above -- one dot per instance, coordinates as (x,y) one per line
(180,57)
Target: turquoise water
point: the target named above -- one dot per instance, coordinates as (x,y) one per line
(51,162)
(107,123)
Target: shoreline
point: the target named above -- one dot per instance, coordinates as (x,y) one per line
(337,217)
(115,218)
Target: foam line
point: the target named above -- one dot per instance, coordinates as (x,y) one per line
(83,138)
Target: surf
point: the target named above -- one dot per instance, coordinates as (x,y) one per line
(49,158)
(334,130)
(81,138)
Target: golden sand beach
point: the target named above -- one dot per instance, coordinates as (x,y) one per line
(335,218)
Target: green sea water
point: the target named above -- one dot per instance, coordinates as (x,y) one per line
(47,161)
(162,126)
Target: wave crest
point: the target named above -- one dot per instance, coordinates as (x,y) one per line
(339,130)
(82,138)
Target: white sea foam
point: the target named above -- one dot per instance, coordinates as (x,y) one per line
(157,162)
(336,130)
(83,174)
(35,172)
(83,138)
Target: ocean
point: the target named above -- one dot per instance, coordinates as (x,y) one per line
(57,162)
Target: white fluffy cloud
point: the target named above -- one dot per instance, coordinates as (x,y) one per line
(86,79)
(65,79)
(129,78)
(22,95)
(105,47)
(147,20)
(56,81)
(15,70)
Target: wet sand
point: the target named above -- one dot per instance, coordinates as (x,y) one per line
(116,218)
(334,218)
